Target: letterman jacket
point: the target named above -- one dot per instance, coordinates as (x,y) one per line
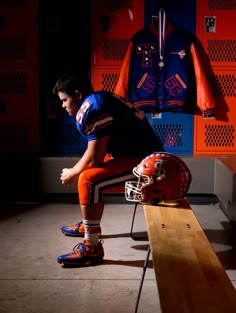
(177,86)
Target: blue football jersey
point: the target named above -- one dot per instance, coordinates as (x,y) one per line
(105,114)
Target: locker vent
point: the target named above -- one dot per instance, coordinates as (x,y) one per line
(13,83)
(221,50)
(219,135)
(13,48)
(13,134)
(169,135)
(70,135)
(222,5)
(223,85)
(109,81)
(114,49)
(13,3)
(114,4)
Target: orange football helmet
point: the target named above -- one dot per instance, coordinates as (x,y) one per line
(161,176)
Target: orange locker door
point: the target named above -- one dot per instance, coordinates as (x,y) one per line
(19,98)
(113,24)
(216,31)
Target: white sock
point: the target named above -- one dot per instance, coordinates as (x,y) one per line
(91,231)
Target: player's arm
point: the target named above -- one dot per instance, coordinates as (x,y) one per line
(92,157)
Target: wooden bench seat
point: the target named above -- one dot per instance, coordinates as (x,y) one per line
(189,275)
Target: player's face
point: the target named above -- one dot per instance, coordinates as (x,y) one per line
(70,104)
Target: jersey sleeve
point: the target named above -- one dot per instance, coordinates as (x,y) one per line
(93,121)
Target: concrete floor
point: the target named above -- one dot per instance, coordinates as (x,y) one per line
(31,280)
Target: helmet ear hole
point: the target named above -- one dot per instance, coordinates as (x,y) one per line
(155,201)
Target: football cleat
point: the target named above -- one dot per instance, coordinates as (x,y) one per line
(83,254)
(76,230)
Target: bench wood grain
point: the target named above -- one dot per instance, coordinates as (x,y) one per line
(189,275)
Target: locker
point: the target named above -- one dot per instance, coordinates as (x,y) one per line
(105,78)
(19,116)
(69,139)
(217,136)
(175,131)
(113,23)
(19,96)
(217,44)
(216,31)
(18,32)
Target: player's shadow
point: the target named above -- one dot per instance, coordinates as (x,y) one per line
(132,263)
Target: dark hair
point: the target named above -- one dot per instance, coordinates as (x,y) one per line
(69,82)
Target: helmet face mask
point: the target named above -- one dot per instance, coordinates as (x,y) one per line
(133,191)
(161,176)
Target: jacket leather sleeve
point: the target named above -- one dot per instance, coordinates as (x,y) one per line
(205,99)
(122,86)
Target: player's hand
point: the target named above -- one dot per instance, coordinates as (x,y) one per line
(67,177)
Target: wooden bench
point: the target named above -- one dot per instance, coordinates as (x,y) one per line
(189,275)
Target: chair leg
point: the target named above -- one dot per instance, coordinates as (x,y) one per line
(142,279)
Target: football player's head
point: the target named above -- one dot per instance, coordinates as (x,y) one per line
(161,176)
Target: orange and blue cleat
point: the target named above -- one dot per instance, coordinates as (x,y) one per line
(83,254)
(76,230)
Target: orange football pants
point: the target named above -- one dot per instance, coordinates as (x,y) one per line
(113,172)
